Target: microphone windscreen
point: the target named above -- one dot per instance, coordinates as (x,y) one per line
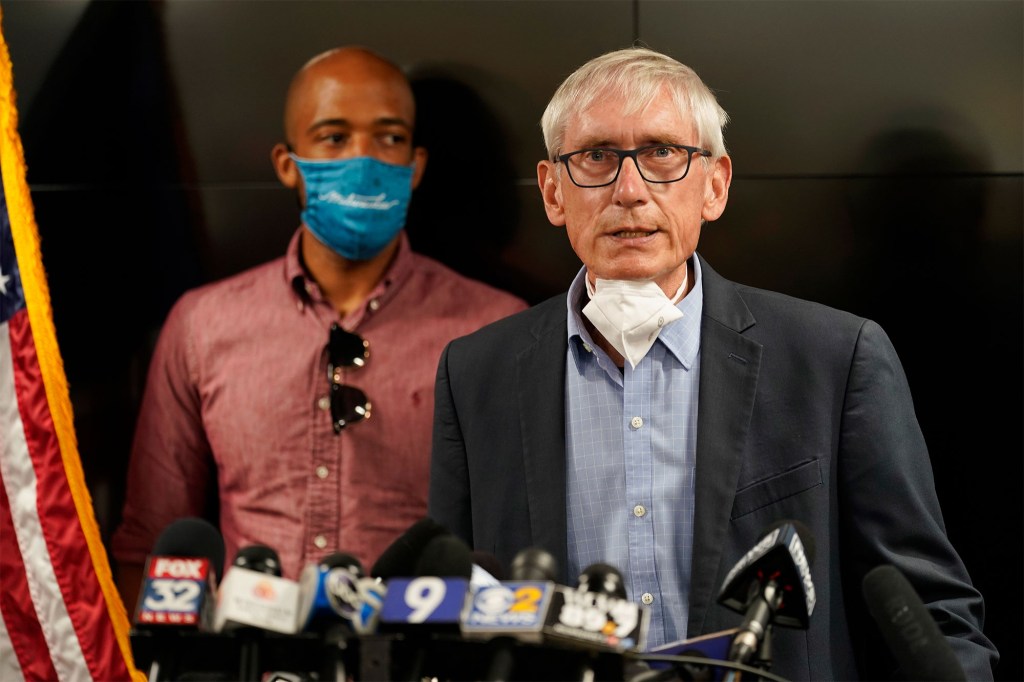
(400,558)
(908,628)
(259,558)
(192,537)
(534,563)
(447,556)
(342,560)
(602,578)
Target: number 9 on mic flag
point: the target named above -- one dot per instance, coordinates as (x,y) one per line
(424,600)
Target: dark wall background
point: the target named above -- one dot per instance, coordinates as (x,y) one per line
(878,150)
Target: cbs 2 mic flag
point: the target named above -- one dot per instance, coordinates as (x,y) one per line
(60,615)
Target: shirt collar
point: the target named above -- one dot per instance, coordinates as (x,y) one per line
(681,338)
(308,292)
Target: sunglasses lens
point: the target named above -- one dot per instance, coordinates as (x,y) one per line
(348,405)
(347,349)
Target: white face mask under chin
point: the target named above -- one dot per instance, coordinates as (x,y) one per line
(630,314)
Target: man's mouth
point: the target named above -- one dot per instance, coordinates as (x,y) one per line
(632,233)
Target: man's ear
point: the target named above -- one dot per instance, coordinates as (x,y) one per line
(716,193)
(551,192)
(284,166)
(419,159)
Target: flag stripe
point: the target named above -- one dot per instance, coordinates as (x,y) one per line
(25,638)
(42,510)
(62,616)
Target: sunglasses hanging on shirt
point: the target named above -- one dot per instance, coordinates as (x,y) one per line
(346,350)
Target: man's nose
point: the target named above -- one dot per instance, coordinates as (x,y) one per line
(630,186)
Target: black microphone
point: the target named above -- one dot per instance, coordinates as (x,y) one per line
(180,576)
(771,584)
(596,617)
(602,578)
(426,604)
(177,593)
(534,563)
(908,628)
(400,557)
(511,611)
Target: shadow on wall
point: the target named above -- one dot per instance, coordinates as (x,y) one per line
(950,298)
(466,212)
(120,238)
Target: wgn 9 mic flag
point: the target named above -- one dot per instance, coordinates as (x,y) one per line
(909,630)
(180,577)
(436,594)
(770,584)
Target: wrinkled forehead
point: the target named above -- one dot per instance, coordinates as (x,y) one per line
(612,114)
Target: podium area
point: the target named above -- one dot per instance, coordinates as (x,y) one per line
(265,656)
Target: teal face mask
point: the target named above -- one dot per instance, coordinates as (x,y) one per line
(355,206)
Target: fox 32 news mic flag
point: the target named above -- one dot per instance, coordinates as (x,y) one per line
(60,615)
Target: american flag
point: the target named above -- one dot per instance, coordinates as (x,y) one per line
(60,615)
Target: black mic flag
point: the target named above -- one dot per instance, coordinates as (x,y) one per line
(770,584)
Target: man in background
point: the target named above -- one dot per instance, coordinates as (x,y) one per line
(297,397)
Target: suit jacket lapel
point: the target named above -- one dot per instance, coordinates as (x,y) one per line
(729,364)
(540,389)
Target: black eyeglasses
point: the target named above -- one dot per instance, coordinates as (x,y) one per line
(658,163)
(348,403)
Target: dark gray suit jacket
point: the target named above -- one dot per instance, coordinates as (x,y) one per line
(804,413)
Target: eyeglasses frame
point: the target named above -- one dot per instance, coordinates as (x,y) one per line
(623,154)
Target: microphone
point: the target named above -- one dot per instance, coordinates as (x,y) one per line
(534,563)
(596,617)
(429,602)
(908,628)
(254,595)
(597,614)
(177,595)
(180,577)
(400,558)
(770,584)
(317,602)
(511,611)
(436,591)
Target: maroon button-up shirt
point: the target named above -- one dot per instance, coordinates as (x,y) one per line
(237,396)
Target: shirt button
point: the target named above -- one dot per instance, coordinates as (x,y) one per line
(647,598)
(639,510)
(321,471)
(586,347)
(320,541)
(374,304)
(636,422)
(324,403)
